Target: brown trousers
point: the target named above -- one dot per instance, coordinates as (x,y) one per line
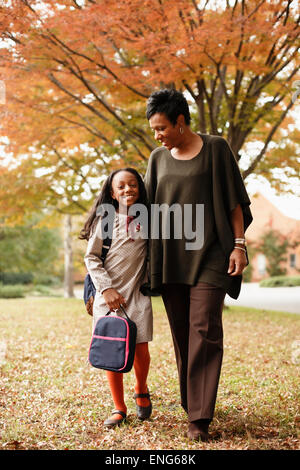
(195,317)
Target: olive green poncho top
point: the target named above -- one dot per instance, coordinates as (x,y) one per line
(212,179)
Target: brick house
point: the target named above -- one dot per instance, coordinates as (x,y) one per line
(266,216)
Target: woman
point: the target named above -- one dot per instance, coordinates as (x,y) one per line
(197,171)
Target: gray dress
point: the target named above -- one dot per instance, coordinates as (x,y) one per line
(125,271)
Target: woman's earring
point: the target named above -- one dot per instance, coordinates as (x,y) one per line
(181,130)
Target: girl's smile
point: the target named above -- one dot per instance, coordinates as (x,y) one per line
(125,188)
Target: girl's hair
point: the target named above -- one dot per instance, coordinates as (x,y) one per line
(170,102)
(105,197)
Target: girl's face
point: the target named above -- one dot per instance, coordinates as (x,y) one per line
(164,131)
(125,188)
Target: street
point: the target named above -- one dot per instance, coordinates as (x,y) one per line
(285,299)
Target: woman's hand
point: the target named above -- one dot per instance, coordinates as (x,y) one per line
(113,299)
(237,262)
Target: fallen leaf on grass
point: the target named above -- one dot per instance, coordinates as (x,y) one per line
(13,445)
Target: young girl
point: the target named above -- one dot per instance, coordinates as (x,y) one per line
(119,279)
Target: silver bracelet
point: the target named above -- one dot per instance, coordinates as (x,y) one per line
(239,242)
(240,248)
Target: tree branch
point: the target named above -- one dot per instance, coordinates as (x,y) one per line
(259,157)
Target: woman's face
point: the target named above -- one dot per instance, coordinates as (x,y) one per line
(164,131)
(125,188)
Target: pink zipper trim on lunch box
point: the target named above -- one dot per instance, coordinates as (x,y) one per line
(110,338)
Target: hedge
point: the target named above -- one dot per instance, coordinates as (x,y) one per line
(280,281)
(16,278)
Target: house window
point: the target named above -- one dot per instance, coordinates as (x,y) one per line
(261,264)
(293,260)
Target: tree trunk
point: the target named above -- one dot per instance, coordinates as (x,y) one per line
(68,279)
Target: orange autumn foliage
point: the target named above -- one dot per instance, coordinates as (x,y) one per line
(80,73)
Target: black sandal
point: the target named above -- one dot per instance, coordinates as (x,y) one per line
(111,423)
(143,412)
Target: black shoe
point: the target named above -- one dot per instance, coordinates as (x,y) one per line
(111,423)
(143,412)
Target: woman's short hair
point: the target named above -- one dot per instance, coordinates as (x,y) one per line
(170,102)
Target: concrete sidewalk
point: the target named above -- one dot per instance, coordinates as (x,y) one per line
(285,299)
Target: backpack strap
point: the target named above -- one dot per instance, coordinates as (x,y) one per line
(89,290)
(105,248)
(106,242)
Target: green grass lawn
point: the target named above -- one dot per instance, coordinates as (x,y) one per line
(52,399)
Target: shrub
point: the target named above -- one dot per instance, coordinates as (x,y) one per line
(274,246)
(46,280)
(280,281)
(11,292)
(42,290)
(247,274)
(16,278)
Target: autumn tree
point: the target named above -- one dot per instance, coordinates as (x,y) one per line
(80,72)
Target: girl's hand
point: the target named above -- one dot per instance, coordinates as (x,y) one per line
(113,299)
(237,262)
